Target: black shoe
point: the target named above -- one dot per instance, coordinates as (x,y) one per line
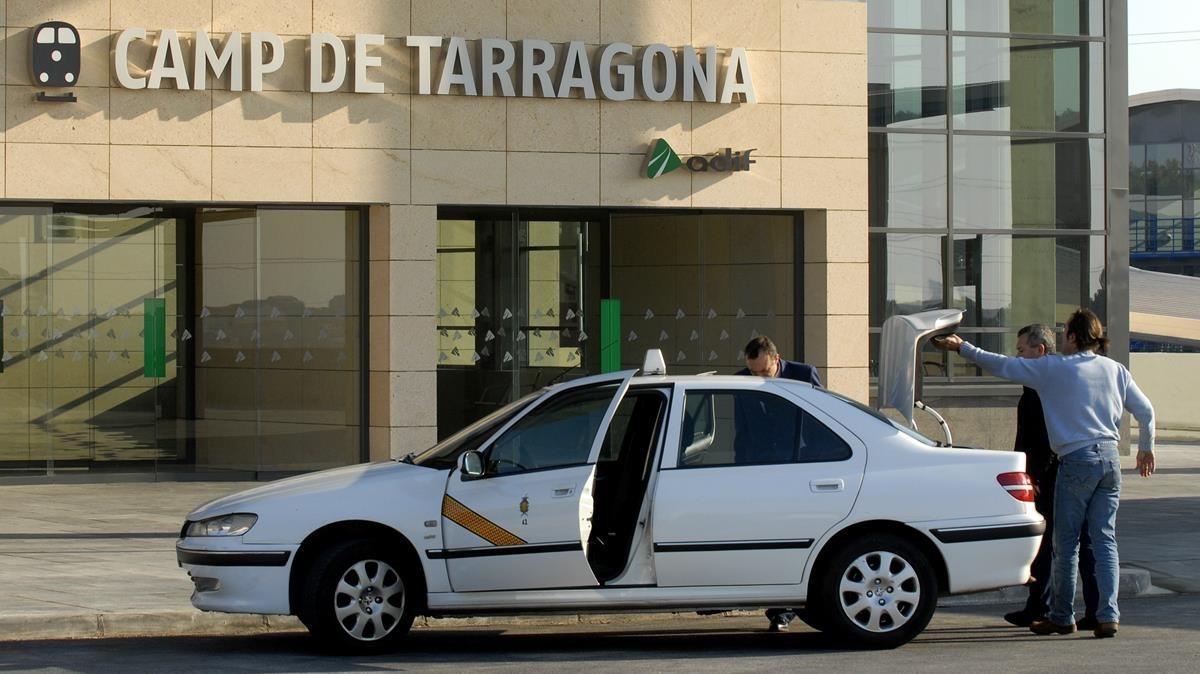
(1087,622)
(1020,618)
(1105,630)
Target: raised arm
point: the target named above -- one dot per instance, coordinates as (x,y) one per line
(1027,371)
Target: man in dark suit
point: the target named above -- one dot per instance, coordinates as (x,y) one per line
(763,360)
(1035,341)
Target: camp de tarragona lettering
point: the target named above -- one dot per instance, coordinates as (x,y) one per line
(485,67)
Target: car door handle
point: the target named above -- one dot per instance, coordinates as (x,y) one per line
(563,492)
(826,485)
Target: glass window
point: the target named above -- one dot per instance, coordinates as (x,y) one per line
(906,274)
(1137,172)
(1024,85)
(1164,175)
(557,434)
(633,428)
(1006,281)
(916,14)
(1191,155)
(277,323)
(906,85)
(1002,182)
(907,185)
(444,455)
(1042,17)
(738,428)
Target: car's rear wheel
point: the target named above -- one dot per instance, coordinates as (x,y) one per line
(357,597)
(877,592)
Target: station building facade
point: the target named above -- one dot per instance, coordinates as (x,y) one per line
(248,239)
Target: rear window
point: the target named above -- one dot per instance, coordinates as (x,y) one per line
(883,418)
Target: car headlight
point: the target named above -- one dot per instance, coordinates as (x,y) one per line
(225,525)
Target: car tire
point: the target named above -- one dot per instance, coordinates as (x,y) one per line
(358,598)
(877,592)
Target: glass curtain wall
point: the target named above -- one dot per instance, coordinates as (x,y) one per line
(986,160)
(151,340)
(521,297)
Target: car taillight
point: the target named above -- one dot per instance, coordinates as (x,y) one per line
(1018,485)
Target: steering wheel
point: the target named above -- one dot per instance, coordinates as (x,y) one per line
(502,461)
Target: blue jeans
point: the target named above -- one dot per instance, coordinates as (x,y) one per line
(1088,490)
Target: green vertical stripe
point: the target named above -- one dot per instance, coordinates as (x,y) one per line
(154,338)
(610,335)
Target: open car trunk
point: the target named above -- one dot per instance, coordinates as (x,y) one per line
(900,372)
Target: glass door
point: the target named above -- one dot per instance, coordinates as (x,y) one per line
(25,440)
(85,303)
(512,293)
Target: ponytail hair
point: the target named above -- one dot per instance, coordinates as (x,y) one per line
(1085,325)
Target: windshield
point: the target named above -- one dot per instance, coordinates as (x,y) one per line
(445,454)
(916,435)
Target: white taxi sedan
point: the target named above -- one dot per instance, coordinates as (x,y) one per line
(628,492)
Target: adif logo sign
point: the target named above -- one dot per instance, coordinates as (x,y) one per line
(661,158)
(54,58)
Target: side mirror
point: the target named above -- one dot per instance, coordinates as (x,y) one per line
(472,464)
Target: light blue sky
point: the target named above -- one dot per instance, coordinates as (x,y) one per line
(1172,63)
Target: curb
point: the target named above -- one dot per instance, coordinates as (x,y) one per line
(191,622)
(38,626)
(1134,582)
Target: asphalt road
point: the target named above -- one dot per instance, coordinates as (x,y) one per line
(1159,634)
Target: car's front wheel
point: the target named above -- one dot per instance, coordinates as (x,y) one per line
(877,592)
(357,597)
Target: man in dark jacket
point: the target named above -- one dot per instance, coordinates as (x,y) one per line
(1035,341)
(763,360)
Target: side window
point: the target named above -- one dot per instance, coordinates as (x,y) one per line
(739,428)
(559,433)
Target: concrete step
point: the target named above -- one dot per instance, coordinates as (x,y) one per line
(92,625)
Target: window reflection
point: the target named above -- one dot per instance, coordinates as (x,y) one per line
(1012,281)
(906,82)
(1023,85)
(1002,182)
(1042,17)
(911,14)
(908,180)
(906,274)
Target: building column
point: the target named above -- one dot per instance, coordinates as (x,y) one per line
(836,293)
(403,325)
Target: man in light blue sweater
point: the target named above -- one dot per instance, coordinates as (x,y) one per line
(1083,397)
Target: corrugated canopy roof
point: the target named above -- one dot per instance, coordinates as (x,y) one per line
(1164,307)
(1152,292)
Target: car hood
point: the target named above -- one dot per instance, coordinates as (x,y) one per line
(357,477)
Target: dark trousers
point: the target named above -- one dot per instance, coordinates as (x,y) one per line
(1038,602)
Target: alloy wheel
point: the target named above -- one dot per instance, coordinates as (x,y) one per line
(879,591)
(369,600)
